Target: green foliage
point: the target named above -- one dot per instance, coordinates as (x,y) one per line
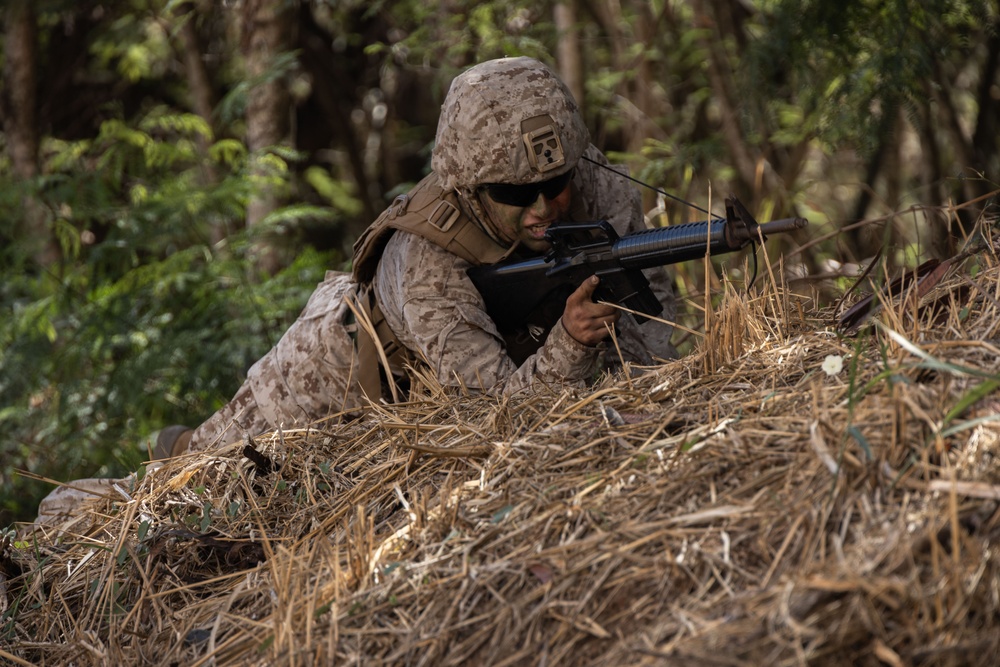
(146,322)
(340,195)
(470,31)
(136,45)
(850,66)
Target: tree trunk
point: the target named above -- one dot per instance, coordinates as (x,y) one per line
(568,49)
(607,14)
(643,83)
(739,152)
(932,177)
(19,124)
(200,92)
(960,143)
(763,171)
(267,32)
(859,241)
(985,144)
(199,80)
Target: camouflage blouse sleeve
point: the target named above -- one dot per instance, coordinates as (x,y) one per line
(434,309)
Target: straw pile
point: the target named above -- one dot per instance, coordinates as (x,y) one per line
(784,495)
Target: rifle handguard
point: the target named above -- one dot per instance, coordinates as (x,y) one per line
(515,288)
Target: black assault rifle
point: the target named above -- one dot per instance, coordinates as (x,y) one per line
(516,291)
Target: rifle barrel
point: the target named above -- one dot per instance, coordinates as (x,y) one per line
(684,242)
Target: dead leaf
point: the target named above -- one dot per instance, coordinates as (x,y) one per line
(541,571)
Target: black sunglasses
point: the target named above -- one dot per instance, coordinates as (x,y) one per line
(527,194)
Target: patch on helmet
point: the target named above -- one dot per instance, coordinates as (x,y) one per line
(541,141)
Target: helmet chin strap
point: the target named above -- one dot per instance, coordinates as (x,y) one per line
(477,207)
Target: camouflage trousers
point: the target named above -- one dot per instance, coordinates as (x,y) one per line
(309,375)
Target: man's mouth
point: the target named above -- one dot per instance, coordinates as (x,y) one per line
(538,231)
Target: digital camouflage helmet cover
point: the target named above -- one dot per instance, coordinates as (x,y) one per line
(510,120)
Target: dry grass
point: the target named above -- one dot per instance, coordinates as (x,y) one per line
(740,506)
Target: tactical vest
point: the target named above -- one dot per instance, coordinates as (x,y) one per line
(433,213)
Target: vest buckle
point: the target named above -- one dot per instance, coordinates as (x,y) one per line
(443,216)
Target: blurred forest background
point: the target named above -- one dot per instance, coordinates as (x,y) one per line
(177,175)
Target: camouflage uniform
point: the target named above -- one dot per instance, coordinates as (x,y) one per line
(424,293)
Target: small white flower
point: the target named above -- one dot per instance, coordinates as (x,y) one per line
(833,364)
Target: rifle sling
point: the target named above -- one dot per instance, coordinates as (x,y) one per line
(375,379)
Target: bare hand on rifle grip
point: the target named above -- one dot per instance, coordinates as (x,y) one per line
(588,322)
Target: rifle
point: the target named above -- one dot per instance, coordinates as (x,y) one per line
(516,291)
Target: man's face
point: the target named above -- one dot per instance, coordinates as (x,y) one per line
(527,222)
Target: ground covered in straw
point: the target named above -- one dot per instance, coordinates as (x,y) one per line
(786,494)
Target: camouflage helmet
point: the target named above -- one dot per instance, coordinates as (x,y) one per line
(510,120)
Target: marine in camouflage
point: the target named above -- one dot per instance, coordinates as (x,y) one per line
(504,121)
